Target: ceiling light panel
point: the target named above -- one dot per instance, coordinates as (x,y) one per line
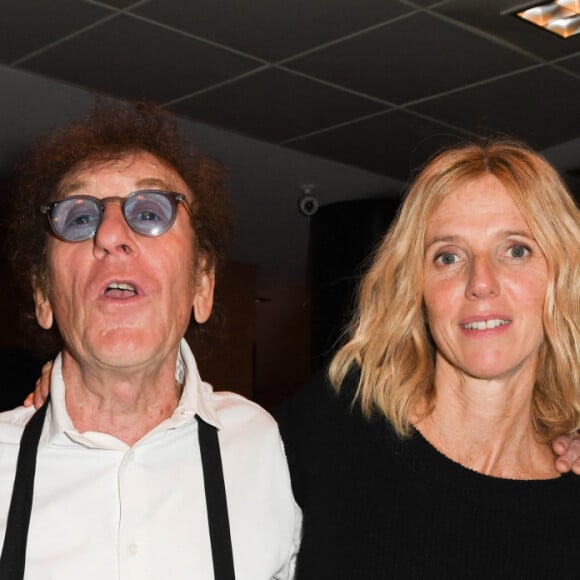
(561,17)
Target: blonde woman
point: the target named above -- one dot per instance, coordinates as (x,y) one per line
(427,453)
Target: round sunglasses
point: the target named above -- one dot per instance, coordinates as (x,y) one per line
(149,212)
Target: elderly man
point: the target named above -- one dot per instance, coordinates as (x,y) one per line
(134,468)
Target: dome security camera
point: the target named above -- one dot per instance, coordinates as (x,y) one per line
(308,205)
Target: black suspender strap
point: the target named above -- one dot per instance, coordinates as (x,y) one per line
(215,497)
(13,557)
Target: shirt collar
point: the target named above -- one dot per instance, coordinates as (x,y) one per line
(196,399)
(197,395)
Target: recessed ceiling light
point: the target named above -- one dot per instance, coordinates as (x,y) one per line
(561,17)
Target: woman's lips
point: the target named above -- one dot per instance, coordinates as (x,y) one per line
(489,324)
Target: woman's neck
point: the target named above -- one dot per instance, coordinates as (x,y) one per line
(487,426)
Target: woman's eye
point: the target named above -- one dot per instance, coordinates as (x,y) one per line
(446,258)
(518,251)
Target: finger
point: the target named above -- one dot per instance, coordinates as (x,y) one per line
(35,395)
(560,444)
(46,369)
(573,451)
(563,465)
(29,400)
(40,393)
(569,459)
(42,385)
(38,399)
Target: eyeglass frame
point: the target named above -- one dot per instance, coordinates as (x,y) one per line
(175,198)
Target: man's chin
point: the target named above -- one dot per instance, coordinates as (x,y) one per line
(125,349)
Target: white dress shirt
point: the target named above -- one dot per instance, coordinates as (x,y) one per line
(103,510)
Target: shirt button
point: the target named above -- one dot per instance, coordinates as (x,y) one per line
(132,548)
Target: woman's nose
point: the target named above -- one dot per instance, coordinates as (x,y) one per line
(483,281)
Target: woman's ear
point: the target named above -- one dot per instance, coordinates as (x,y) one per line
(204,289)
(43,308)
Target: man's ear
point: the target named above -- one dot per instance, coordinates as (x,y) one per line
(203,296)
(43,308)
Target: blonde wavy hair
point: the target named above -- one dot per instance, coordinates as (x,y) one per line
(388,339)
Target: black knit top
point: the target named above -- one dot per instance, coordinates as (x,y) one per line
(376,506)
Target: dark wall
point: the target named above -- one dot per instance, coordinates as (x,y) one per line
(342,239)
(20,369)
(18,363)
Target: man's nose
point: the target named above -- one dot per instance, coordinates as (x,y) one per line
(114,234)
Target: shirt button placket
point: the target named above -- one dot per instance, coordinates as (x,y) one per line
(130,556)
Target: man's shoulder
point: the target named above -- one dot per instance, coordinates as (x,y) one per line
(245,424)
(233,408)
(12,423)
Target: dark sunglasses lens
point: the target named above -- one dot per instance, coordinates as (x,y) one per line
(75,219)
(150,213)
